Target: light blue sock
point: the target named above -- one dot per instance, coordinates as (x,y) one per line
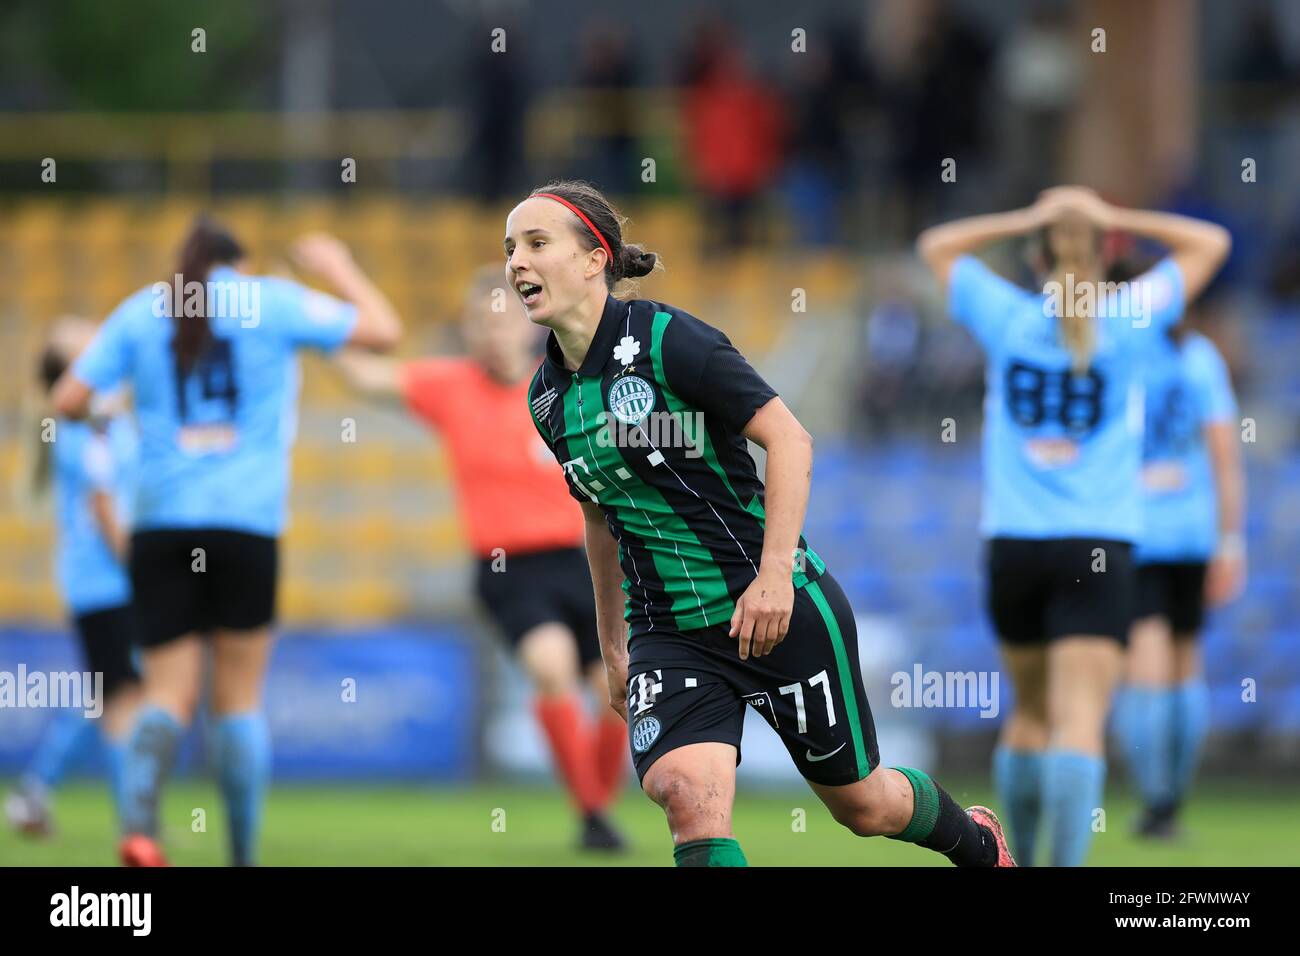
(242,749)
(1072,791)
(1018,780)
(146,759)
(1143,722)
(65,742)
(115,755)
(1190,724)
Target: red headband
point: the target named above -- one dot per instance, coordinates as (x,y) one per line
(578,212)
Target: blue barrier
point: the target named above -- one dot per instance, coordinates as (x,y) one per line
(396,702)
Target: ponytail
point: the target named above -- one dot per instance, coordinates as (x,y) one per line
(207,245)
(35,470)
(1074,251)
(36,476)
(1080,336)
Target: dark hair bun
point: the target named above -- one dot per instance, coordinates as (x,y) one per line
(635,262)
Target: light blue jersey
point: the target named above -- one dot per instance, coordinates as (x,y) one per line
(1187,388)
(86,460)
(214,447)
(1062,452)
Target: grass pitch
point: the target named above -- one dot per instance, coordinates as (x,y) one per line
(509,825)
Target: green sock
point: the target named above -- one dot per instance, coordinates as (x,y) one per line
(720,851)
(925,806)
(939,824)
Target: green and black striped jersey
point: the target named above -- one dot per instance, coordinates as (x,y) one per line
(649,428)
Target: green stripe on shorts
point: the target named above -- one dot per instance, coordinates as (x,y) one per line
(846,675)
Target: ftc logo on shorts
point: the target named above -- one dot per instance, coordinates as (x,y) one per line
(644,733)
(631,398)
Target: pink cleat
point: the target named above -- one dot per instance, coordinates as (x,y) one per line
(987,818)
(137,849)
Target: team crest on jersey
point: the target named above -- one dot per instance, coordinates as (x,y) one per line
(644,733)
(631,399)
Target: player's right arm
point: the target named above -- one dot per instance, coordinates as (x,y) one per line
(607,581)
(377,325)
(104,511)
(941,246)
(97,471)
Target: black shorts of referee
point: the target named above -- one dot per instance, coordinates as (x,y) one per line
(522,591)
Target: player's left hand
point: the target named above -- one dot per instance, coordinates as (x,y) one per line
(762,614)
(1225,578)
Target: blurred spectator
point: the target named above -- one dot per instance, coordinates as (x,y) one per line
(1260,61)
(950,372)
(892,335)
(1284,276)
(608,75)
(830,83)
(732,128)
(937,109)
(1039,72)
(496,100)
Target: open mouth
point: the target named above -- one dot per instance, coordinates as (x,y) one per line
(529,292)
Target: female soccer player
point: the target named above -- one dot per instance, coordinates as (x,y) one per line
(523,528)
(1192,551)
(212,364)
(1062,449)
(89,465)
(699,568)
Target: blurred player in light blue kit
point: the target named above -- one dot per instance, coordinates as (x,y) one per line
(88,466)
(211,359)
(1191,553)
(1062,454)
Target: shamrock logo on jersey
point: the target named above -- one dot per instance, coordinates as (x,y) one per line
(627,349)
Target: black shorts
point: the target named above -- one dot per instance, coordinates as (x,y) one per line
(692,687)
(1174,591)
(1039,591)
(202,579)
(107,639)
(542,587)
